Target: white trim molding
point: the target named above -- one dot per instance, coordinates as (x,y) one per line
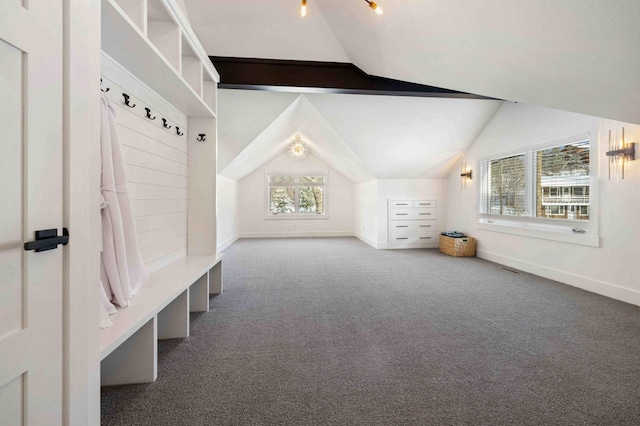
(300,234)
(585,283)
(227,243)
(532,230)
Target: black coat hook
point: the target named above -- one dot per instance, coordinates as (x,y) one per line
(164,124)
(149,114)
(178,131)
(126,101)
(107,89)
(201,137)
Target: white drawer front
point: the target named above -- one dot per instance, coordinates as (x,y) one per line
(399,204)
(400,239)
(425,213)
(401,214)
(412,214)
(405,226)
(424,203)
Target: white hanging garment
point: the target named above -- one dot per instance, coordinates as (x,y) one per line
(124,271)
(137,270)
(104,312)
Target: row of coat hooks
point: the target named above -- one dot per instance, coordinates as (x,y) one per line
(126,100)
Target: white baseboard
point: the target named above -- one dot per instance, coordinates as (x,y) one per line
(366,240)
(299,234)
(227,243)
(599,287)
(376,245)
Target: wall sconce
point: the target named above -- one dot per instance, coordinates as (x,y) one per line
(465,175)
(620,153)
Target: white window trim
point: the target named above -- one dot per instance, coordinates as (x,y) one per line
(544,228)
(297,216)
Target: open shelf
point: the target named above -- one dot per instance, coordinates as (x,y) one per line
(155,60)
(191,67)
(164,32)
(135,10)
(209,92)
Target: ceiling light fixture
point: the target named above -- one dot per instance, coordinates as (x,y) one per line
(298,150)
(374,6)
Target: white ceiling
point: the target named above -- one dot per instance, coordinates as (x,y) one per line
(361,136)
(270,29)
(575,55)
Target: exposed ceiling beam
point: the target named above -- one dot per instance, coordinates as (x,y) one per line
(317,77)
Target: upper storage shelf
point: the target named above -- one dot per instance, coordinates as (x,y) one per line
(153,40)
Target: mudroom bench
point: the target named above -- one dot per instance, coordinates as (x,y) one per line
(160,310)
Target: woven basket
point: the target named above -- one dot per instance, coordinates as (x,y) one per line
(459,247)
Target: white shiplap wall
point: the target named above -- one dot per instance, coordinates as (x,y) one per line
(157,173)
(156,165)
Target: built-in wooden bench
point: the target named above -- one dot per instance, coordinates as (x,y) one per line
(160,310)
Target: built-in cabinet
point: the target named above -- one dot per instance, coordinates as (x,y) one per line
(412,224)
(153,42)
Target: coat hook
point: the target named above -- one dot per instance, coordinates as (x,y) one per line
(107,89)
(126,101)
(201,137)
(178,131)
(164,124)
(149,114)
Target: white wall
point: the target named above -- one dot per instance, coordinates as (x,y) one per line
(366,212)
(409,189)
(228,205)
(252,208)
(156,166)
(610,269)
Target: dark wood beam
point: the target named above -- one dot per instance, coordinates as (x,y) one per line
(317,77)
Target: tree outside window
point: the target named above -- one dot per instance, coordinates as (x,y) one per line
(297,194)
(548,183)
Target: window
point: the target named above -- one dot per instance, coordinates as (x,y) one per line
(549,183)
(303,194)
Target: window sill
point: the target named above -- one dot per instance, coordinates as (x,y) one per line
(559,233)
(296,217)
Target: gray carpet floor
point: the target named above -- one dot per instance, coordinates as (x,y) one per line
(328,331)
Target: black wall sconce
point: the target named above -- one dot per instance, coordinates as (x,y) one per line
(620,153)
(465,175)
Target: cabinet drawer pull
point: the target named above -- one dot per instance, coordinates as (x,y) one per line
(425,204)
(403,238)
(402,214)
(402,226)
(402,204)
(425,238)
(425,226)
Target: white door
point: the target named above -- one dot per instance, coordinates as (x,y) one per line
(30,200)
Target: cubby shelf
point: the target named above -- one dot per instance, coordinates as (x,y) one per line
(152,41)
(150,46)
(128,349)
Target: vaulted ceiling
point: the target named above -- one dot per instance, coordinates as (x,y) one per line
(575,55)
(361,136)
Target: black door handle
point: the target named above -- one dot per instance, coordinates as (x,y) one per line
(48,239)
